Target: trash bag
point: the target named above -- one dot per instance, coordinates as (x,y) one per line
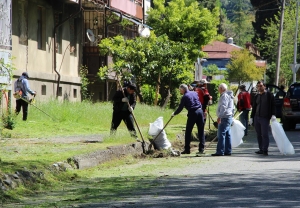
(237,133)
(161,142)
(284,145)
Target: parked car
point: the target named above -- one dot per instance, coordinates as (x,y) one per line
(291,107)
(279,95)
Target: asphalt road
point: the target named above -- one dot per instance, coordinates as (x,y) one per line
(241,180)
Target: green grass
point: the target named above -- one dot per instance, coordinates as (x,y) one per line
(28,144)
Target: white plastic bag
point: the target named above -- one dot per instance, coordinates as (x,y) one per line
(237,133)
(161,142)
(284,145)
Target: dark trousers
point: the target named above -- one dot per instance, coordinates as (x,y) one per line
(262,130)
(21,103)
(128,120)
(244,117)
(194,117)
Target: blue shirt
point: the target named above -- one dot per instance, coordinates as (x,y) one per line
(190,101)
(24,86)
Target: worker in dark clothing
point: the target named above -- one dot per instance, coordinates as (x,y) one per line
(204,96)
(191,102)
(22,91)
(123,111)
(263,110)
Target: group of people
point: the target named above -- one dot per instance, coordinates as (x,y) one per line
(196,101)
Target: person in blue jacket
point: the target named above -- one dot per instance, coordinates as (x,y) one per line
(22,91)
(190,101)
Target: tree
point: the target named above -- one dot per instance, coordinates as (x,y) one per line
(242,68)
(269,43)
(184,21)
(154,61)
(266,11)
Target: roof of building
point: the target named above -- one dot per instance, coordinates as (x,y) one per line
(218,49)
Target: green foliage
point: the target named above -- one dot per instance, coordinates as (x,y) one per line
(155,61)
(269,44)
(148,93)
(211,70)
(9,120)
(213,87)
(85,95)
(242,68)
(184,21)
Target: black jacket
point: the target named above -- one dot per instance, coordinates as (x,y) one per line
(117,99)
(267,109)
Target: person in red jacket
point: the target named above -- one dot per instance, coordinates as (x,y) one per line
(203,94)
(244,105)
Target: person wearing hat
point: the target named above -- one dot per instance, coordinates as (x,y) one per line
(244,106)
(22,91)
(123,107)
(203,94)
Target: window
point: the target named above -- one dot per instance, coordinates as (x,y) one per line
(58,19)
(41,28)
(22,20)
(75,93)
(60,91)
(73,35)
(43,89)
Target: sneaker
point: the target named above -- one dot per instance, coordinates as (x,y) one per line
(185,152)
(260,152)
(265,153)
(137,140)
(227,154)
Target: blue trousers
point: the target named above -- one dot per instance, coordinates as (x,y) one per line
(244,119)
(194,117)
(224,136)
(262,130)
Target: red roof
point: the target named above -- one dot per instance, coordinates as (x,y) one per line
(218,49)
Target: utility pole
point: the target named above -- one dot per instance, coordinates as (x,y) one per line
(279,43)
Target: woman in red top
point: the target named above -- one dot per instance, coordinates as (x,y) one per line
(244,105)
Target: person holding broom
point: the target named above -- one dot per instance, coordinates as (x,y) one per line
(191,102)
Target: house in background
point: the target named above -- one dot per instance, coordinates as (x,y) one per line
(218,53)
(48,39)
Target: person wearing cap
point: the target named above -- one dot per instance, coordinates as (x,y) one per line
(124,102)
(203,94)
(244,106)
(191,102)
(22,91)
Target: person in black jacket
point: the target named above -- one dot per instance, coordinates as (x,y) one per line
(263,110)
(123,111)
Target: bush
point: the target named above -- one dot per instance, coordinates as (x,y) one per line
(213,89)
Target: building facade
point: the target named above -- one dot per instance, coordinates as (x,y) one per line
(49,40)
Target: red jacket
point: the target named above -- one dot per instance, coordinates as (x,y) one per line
(244,101)
(204,97)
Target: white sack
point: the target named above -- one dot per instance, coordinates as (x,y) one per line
(161,142)
(284,145)
(237,133)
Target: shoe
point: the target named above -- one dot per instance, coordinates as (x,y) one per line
(200,153)
(216,154)
(227,154)
(137,140)
(265,153)
(185,152)
(259,152)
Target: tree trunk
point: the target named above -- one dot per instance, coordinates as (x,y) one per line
(167,99)
(138,93)
(157,90)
